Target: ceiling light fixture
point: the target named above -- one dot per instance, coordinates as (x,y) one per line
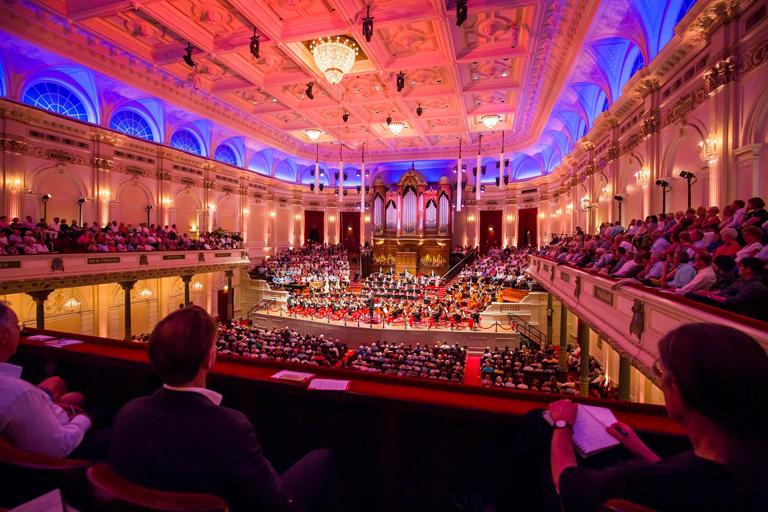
(396,127)
(334,57)
(389,120)
(313,133)
(254,45)
(461,12)
(310,94)
(188,55)
(419,111)
(490,120)
(368,25)
(345,116)
(400,81)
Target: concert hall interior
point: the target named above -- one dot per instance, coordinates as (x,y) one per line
(450,255)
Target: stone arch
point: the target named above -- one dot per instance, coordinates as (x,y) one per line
(225,216)
(756,123)
(187,207)
(683,154)
(132,198)
(65,189)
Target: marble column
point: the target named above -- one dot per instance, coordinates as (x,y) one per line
(40,297)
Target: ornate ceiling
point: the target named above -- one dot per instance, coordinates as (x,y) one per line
(548,67)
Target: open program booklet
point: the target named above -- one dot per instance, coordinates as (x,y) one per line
(589,434)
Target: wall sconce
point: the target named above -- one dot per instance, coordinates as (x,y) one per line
(145,293)
(367,218)
(558,212)
(569,208)
(490,228)
(197,286)
(72,304)
(273,214)
(193,227)
(332,218)
(297,216)
(708,151)
(246,211)
(211,207)
(226,288)
(643,176)
(167,201)
(349,228)
(104,194)
(470,218)
(542,215)
(15,184)
(510,218)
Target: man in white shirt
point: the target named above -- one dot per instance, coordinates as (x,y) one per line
(704,278)
(29,418)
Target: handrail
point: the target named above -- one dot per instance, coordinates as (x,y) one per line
(459,266)
(529,331)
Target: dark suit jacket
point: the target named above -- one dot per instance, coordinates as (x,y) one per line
(181,441)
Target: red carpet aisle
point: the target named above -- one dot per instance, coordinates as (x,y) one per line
(472,370)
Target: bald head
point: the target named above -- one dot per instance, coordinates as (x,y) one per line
(9,332)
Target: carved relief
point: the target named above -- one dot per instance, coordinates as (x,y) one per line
(637,324)
(15,147)
(721,73)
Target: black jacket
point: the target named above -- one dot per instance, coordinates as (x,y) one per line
(181,441)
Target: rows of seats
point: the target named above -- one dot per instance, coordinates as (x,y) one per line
(27,237)
(712,256)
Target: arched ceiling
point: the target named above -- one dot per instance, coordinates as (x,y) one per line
(548,67)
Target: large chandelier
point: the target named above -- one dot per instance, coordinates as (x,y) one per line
(334,56)
(396,127)
(313,133)
(490,120)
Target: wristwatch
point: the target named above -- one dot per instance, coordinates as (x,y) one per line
(562,424)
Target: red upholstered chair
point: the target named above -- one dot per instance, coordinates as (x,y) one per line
(110,491)
(29,475)
(616,505)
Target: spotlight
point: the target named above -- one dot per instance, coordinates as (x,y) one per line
(618,198)
(254,46)
(321,187)
(389,120)
(400,81)
(419,111)
(312,186)
(81,200)
(461,12)
(687,175)
(46,197)
(368,25)
(188,56)
(662,183)
(345,116)
(310,94)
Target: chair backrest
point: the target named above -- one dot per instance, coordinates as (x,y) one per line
(110,491)
(616,505)
(33,474)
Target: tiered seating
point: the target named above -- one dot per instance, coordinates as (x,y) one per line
(29,238)
(718,260)
(325,266)
(441,362)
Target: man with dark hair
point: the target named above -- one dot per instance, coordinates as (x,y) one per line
(181,439)
(43,419)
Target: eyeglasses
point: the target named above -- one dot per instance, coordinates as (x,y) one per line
(658,368)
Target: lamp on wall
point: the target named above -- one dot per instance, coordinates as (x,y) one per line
(46,198)
(643,176)
(708,151)
(691,179)
(619,200)
(664,189)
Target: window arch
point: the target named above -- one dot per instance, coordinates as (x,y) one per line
(57,98)
(185,140)
(132,123)
(225,154)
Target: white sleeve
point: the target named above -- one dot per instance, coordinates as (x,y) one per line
(35,428)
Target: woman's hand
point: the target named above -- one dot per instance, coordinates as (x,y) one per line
(563,410)
(629,440)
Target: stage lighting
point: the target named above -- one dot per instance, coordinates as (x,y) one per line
(188,56)
(618,198)
(321,187)
(310,94)
(687,175)
(254,45)
(662,183)
(400,81)
(368,25)
(312,186)
(419,111)
(461,12)
(345,116)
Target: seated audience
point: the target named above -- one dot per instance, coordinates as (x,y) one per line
(441,362)
(181,439)
(44,419)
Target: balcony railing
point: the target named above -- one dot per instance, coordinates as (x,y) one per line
(632,317)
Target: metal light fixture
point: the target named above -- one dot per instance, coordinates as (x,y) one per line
(389,120)
(334,56)
(368,25)
(419,110)
(345,116)
(708,151)
(309,92)
(188,56)
(400,81)
(254,44)
(490,120)
(396,127)
(313,133)
(643,176)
